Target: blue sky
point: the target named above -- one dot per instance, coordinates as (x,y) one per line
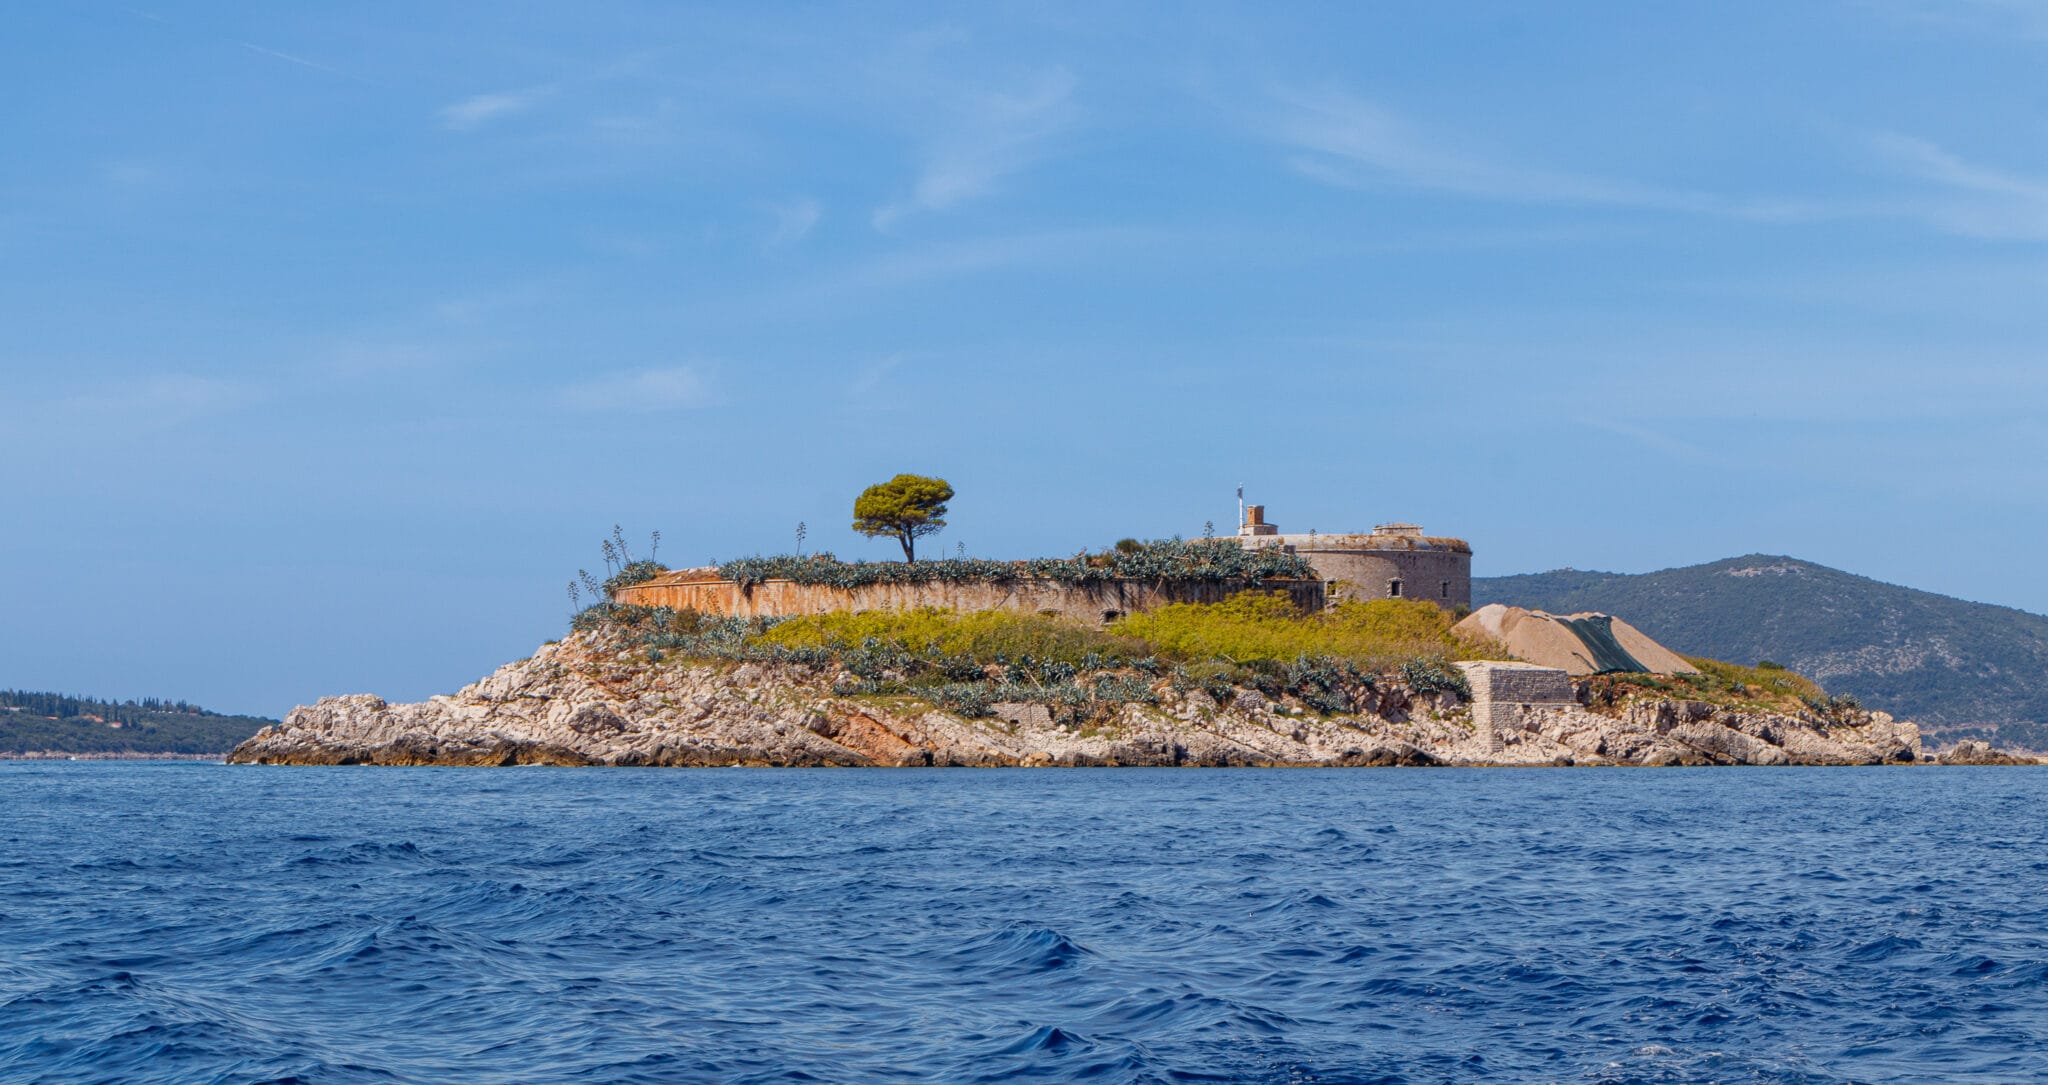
(333,339)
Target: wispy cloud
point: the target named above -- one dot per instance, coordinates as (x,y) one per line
(994,136)
(2004,18)
(916,266)
(652,126)
(291,59)
(645,391)
(871,377)
(1659,439)
(481,109)
(485,304)
(352,359)
(794,221)
(1339,139)
(162,399)
(1342,140)
(1979,200)
(1930,161)
(1345,140)
(133,175)
(294,59)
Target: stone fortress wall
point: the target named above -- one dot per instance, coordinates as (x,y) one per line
(1393,561)
(1102,601)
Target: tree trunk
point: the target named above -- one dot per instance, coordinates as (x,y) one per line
(909,542)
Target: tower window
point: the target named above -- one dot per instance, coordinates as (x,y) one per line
(1393,589)
(1447,589)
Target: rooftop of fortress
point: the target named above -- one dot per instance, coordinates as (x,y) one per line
(1256,531)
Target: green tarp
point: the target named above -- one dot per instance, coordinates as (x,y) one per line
(1597,634)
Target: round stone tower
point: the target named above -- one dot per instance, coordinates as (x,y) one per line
(1394,561)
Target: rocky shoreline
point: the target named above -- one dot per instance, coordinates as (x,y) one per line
(578,702)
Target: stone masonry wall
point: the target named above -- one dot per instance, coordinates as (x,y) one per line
(1096,601)
(1435,569)
(1442,577)
(1503,693)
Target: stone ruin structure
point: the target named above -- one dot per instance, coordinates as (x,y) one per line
(1394,561)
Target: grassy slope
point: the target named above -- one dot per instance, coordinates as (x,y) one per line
(1248,627)
(967,662)
(1953,666)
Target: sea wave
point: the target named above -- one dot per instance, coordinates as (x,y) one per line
(175,923)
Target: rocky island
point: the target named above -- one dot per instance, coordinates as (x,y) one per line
(601,697)
(1266,650)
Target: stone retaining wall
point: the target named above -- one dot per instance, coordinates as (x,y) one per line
(1094,601)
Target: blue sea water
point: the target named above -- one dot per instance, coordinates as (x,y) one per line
(202,923)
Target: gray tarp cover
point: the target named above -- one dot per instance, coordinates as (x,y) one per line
(1588,643)
(1596,632)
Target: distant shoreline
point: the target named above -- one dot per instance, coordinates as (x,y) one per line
(65,755)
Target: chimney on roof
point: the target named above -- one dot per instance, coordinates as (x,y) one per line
(1255,522)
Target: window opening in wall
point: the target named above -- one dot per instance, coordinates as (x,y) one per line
(1447,589)
(1393,589)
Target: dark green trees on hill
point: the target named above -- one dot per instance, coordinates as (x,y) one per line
(1959,669)
(54,723)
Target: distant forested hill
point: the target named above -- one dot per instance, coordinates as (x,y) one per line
(53,723)
(1959,669)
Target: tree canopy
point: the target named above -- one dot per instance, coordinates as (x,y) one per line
(905,508)
(46,723)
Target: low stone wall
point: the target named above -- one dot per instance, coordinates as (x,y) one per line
(1094,601)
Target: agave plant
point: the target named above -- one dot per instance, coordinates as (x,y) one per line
(1429,676)
(1210,560)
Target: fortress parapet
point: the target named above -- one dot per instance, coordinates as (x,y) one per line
(1393,561)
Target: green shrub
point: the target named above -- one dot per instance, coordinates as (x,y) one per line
(1380,634)
(636,572)
(968,699)
(1765,682)
(1759,688)
(988,636)
(967,662)
(1423,676)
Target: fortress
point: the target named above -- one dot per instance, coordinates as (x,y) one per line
(1394,561)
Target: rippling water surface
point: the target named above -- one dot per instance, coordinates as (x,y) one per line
(204,923)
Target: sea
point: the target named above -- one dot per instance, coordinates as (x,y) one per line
(192,923)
